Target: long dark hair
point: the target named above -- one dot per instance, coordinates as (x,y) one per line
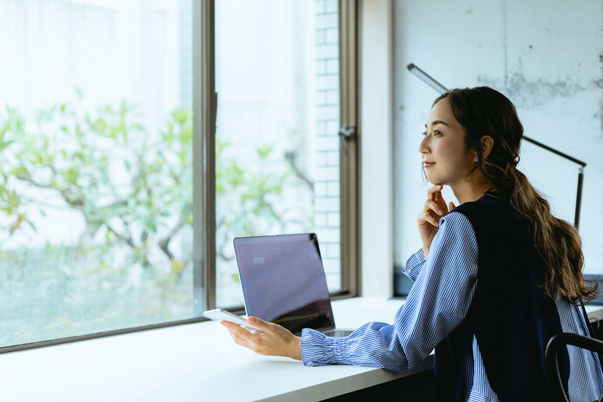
(482,111)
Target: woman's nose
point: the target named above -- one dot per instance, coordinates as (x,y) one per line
(424,145)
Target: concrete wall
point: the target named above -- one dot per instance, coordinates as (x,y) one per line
(546,56)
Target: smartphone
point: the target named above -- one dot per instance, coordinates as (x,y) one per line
(223,315)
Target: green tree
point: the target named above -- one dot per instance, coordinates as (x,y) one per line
(132,187)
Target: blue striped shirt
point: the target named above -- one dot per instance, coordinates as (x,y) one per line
(436,305)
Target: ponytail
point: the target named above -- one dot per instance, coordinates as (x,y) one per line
(556,242)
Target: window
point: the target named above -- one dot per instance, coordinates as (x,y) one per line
(107,146)
(277,148)
(96,166)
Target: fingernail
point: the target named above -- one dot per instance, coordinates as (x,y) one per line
(440,212)
(251,320)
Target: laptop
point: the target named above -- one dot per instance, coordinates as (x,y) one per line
(284,282)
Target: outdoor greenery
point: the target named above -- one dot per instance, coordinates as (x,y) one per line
(132,188)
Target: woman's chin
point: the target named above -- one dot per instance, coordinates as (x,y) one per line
(435,182)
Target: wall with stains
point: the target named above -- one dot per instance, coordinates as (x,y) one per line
(546,56)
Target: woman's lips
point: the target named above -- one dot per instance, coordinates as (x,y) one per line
(428,164)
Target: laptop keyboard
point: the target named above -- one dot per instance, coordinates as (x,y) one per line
(337,333)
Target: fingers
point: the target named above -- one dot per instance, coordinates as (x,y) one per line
(253,346)
(242,337)
(451,206)
(432,212)
(238,340)
(276,341)
(229,325)
(435,207)
(428,217)
(433,192)
(258,322)
(240,332)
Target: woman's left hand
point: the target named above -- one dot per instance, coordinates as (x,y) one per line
(275,341)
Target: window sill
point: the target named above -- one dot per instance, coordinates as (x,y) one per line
(186,362)
(195,361)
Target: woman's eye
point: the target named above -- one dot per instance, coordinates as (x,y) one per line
(424,134)
(436,132)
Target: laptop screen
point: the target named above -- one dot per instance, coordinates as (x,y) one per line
(284,281)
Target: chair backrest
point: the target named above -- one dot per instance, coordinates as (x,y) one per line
(550,357)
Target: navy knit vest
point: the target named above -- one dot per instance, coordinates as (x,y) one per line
(511,316)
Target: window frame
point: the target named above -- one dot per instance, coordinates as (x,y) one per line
(349,164)
(205,101)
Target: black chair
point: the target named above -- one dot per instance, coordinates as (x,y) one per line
(550,359)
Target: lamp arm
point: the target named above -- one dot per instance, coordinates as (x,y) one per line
(553,150)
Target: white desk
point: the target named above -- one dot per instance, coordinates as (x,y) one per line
(195,362)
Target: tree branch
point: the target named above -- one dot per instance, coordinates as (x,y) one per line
(291,157)
(165,242)
(67,194)
(128,239)
(171,169)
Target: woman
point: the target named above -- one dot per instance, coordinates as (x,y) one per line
(495,279)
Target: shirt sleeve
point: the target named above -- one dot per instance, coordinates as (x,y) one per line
(435,306)
(414,265)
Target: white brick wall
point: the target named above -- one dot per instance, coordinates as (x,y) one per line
(326,186)
(327,143)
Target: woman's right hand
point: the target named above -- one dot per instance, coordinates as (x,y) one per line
(428,220)
(275,341)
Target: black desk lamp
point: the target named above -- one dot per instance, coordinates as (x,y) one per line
(441,89)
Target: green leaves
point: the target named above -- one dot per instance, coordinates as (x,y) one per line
(131,186)
(250,197)
(264,151)
(19,170)
(12,202)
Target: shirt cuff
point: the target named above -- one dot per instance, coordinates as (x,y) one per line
(414,265)
(320,350)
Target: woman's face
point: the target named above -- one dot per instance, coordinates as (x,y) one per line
(445,156)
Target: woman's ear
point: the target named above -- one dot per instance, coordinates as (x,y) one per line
(487,144)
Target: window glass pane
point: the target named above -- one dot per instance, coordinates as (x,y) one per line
(95,166)
(277,164)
